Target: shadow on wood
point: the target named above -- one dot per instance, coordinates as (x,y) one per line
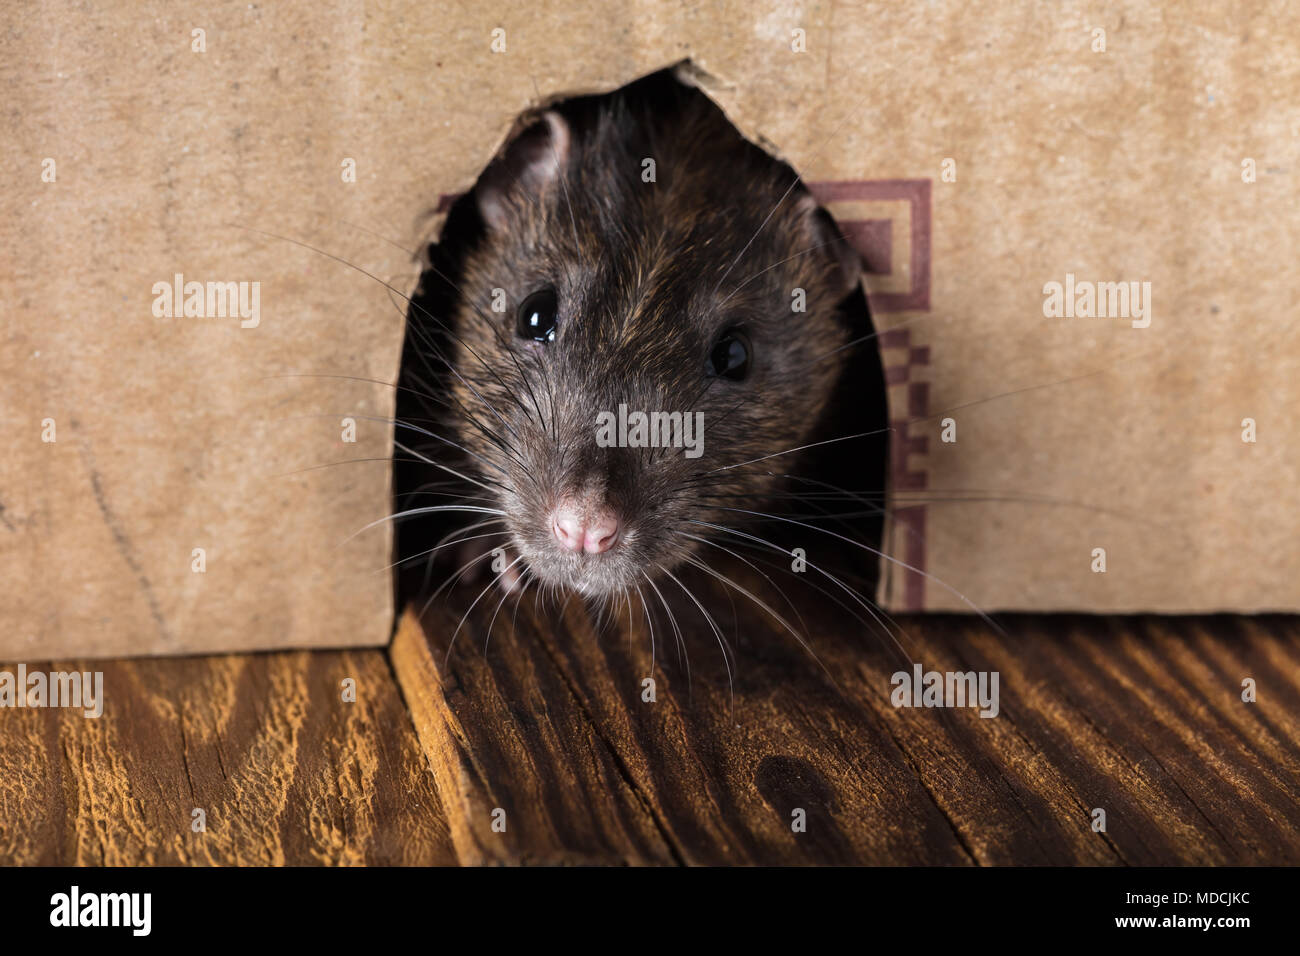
(1139,717)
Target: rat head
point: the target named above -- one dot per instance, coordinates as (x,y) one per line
(651,311)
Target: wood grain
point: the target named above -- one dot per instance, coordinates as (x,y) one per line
(285,770)
(1141,717)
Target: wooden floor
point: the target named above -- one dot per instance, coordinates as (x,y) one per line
(550,734)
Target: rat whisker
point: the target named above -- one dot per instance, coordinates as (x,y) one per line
(525,578)
(722,643)
(766,607)
(934,496)
(816,360)
(505,594)
(803,579)
(447,539)
(479,458)
(649,623)
(677,631)
(413,253)
(820,245)
(740,255)
(898,561)
(496,581)
(429,461)
(446,494)
(412,303)
(790,451)
(427,509)
(398,423)
(345,461)
(453,578)
(359,378)
(447,402)
(433,347)
(528,386)
(438,482)
(624,594)
(779,590)
(416,557)
(872,611)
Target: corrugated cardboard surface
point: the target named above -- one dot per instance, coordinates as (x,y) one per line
(175,434)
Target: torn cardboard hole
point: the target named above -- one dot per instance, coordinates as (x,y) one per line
(857,409)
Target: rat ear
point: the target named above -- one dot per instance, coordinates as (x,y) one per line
(831,244)
(530,161)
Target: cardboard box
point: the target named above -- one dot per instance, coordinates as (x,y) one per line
(1078,157)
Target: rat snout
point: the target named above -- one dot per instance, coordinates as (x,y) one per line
(585,526)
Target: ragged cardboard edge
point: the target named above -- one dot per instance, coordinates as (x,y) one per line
(530,108)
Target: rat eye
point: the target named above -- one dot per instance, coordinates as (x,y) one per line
(537,317)
(729,357)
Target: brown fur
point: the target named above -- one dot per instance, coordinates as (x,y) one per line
(647,275)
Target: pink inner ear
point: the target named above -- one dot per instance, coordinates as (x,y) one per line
(530,163)
(559,139)
(826,234)
(492,207)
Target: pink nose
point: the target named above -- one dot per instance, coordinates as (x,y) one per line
(593,530)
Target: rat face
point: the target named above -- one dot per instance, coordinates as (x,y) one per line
(650,316)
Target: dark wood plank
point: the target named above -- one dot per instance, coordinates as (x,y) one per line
(286,771)
(565,795)
(1141,717)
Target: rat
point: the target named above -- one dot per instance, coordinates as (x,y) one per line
(633,253)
